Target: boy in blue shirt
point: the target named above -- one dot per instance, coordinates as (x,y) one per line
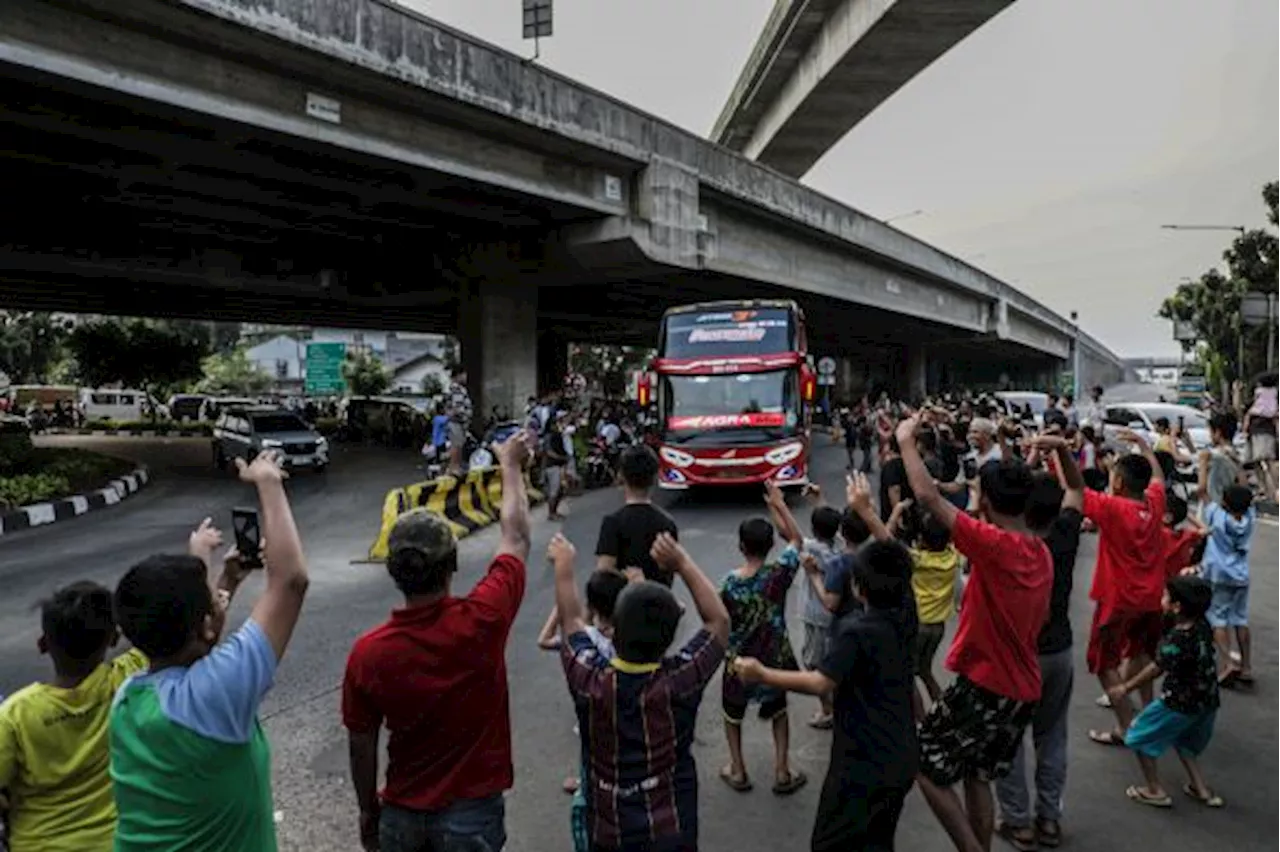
(1226,567)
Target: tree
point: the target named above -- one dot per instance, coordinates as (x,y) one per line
(431,385)
(32,343)
(365,375)
(234,374)
(135,353)
(607,368)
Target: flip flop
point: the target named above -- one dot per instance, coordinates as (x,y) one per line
(1213,800)
(1245,680)
(1107,738)
(1103,700)
(741,785)
(821,723)
(1229,679)
(1023,839)
(795,781)
(1137,794)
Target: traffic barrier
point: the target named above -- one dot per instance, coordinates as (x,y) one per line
(467,504)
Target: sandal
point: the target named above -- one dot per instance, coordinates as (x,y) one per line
(795,781)
(1142,797)
(741,785)
(1107,738)
(1021,838)
(1103,700)
(1049,833)
(821,722)
(1212,800)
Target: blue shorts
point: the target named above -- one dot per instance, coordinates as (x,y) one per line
(1230,606)
(1157,729)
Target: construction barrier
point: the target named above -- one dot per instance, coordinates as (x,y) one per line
(467,504)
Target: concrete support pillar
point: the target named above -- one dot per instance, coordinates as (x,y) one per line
(498,333)
(553,360)
(917,375)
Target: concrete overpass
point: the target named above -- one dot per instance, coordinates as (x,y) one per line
(346,162)
(821,66)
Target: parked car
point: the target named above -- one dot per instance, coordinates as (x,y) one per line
(120,404)
(1039,402)
(186,406)
(214,405)
(244,431)
(1141,417)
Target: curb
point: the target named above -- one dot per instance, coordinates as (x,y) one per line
(131,433)
(66,508)
(467,504)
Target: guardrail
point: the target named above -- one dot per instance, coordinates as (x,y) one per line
(468,503)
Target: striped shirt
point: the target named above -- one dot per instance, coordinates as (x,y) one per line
(637,724)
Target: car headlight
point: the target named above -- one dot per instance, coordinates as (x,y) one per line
(271,442)
(783,454)
(676,458)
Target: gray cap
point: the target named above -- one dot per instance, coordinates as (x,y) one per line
(423,531)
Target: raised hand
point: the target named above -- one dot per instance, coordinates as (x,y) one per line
(858,492)
(561,551)
(906,430)
(265,468)
(204,540)
(514,451)
(773,495)
(667,552)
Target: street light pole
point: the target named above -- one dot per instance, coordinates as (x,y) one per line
(1240,229)
(1075,357)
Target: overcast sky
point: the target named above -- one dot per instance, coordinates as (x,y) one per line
(1047,148)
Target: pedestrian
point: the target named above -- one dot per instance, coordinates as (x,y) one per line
(821,549)
(868,673)
(1219,466)
(53,736)
(836,574)
(935,564)
(190,763)
(1226,568)
(1184,714)
(458,407)
(1054,512)
(435,676)
(1260,427)
(1129,576)
(755,595)
(1184,536)
(627,535)
(554,461)
(971,733)
(637,711)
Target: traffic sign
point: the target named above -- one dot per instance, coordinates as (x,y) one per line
(826,380)
(324,369)
(826,366)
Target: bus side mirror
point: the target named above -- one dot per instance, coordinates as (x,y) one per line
(808,383)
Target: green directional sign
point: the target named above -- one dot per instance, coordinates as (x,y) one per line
(324,369)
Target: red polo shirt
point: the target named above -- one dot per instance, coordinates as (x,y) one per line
(1129,575)
(436,677)
(1006,603)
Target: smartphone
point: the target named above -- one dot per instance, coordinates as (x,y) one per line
(1182,424)
(248,531)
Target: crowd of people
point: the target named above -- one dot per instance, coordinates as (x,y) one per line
(977,520)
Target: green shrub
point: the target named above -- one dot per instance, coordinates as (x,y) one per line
(15,450)
(27,488)
(160,427)
(83,470)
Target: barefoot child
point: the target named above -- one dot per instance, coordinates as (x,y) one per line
(1183,716)
(755,595)
(1226,568)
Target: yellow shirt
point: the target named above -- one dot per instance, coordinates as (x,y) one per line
(54,760)
(934,582)
(1164,444)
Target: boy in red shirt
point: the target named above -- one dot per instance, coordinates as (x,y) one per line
(1128,580)
(973,730)
(1181,543)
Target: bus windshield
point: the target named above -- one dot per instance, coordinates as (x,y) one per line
(754,405)
(726,333)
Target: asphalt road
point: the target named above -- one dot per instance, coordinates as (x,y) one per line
(338,517)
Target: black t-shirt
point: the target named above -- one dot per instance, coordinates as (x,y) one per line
(874,737)
(949,459)
(894,472)
(629,533)
(1063,540)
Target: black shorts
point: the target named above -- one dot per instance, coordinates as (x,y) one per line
(971,733)
(853,815)
(736,697)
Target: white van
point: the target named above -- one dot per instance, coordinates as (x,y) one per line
(118,404)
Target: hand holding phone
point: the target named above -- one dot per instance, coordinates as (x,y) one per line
(248,532)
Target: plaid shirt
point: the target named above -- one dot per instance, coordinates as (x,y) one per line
(459,407)
(637,724)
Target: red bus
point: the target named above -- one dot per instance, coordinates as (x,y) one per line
(733,383)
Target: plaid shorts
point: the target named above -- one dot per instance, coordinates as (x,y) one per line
(971,733)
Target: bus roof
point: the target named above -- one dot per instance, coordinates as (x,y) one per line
(734,304)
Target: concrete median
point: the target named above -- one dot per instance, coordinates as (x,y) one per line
(468,503)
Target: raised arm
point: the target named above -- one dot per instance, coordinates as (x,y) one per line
(858,493)
(514,521)
(777,503)
(277,611)
(1129,436)
(668,553)
(562,554)
(1073,481)
(926,490)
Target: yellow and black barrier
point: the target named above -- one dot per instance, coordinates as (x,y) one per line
(467,504)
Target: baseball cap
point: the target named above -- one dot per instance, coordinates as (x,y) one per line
(425,532)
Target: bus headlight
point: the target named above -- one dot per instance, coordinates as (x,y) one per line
(675,458)
(784,454)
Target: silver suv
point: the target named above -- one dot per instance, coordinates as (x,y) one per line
(244,432)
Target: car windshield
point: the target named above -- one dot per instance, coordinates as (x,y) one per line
(1191,419)
(268,423)
(762,404)
(1038,401)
